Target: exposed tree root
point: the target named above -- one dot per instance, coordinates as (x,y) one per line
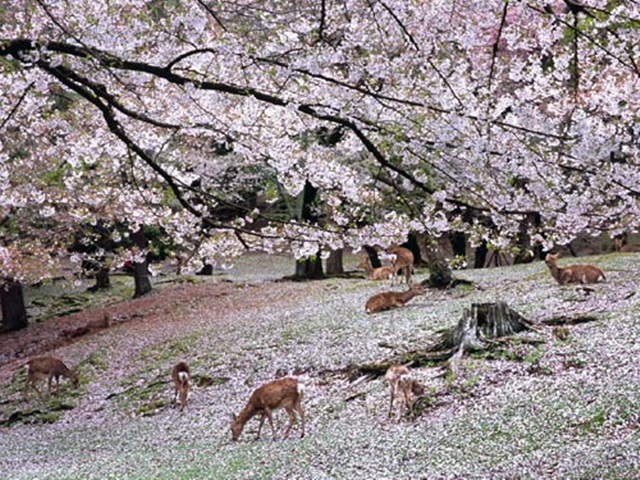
(569,320)
(480,327)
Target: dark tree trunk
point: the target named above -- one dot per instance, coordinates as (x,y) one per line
(309,268)
(526,252)
(103,280)
(373,256)
(207,269)
(481,255)
(141,269)
(412,244)
(440,275)
(334,263)
(458,244)
(14,312)
(141,278)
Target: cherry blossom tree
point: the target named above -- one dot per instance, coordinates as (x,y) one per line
(512,122)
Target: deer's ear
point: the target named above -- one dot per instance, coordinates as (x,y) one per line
(232,416)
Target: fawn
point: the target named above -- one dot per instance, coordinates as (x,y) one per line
(386,272)
(403,387)
(284,393)
(403,260)
(40,368)
(574,273)
(622,245)
(388,300)
(181,375)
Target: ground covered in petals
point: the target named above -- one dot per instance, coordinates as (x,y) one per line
(541,405)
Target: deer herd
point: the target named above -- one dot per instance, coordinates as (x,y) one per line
(288,393)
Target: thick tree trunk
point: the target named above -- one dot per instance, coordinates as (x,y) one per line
(141,269)
(373,256)
(334,264)
(481,255)
(440,275)
(412,244)
(458,242)
(103,281)
(141,279)
(14,312)
(309,268)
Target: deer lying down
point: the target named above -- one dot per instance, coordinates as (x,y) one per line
(624,247)
(404,388)
(49,368)
(284,393)
(388,300)
(386,272)
(574,273)
(181,375)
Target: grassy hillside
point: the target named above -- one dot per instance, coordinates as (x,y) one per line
(550,409)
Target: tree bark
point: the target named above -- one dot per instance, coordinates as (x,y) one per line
(481,255)
(141,279)
(14,312)
(309,268)
(334,264)
(141,269)
(103,281)
(440,275)
(373,256)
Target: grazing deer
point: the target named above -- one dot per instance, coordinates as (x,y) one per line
(403,387)
(574,273)
(388,300)
(403,260)
(622,245)
(40,368)
(386,272)
(284,393)
(181,375)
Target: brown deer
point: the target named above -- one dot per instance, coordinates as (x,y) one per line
(574,273)
(386,272)
(404,387)
(284,393)
(50,368)
(388,300)
(622,245)
(181,375)
(403,260)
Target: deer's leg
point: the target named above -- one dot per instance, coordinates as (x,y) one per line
(408,400)
(292,419)
(183,398)
(270,417)
(30,383)
(391,398)
(262,417)
(298,408)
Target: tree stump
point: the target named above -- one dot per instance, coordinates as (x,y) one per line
(479,323)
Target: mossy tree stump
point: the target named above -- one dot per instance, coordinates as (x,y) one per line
(481,322)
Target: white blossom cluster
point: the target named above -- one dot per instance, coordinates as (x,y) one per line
(483,118)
